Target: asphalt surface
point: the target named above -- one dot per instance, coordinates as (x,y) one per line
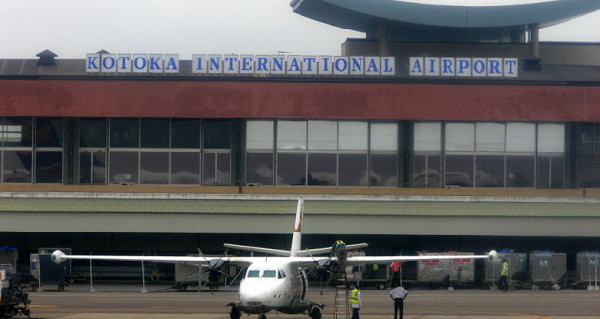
(160,301)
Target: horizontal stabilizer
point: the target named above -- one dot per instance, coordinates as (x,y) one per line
(276,252)
(327,250)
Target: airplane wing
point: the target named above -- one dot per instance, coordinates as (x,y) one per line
(357,260)
(59,257)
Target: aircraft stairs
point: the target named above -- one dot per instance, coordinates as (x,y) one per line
(341,305)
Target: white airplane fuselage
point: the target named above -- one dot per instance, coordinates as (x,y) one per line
(273,284)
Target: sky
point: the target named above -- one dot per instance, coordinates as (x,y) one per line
(72,28)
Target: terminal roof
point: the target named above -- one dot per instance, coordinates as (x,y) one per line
(361,15)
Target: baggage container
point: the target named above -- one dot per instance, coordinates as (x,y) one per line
(586,269)
(438,271)
(547,267)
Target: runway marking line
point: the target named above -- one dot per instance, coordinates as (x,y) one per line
(42,306)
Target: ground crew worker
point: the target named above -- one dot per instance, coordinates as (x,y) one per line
(396,270)
(354,298)
(398,294)
(504,273)
(338,249)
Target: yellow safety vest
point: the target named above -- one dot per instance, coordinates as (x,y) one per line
(505,269)
(354,296)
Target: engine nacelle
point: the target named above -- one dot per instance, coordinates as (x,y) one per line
(493,256)
(58,256)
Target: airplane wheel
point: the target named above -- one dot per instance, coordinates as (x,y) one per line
(315,313)
(235,313)
(263,316)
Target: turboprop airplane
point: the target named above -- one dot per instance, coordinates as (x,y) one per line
(277,283)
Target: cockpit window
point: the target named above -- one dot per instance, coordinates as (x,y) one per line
(253,273)
(269,273)
(280,274)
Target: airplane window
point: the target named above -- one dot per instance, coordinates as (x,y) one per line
(280,274)
(253,274)
(269,274)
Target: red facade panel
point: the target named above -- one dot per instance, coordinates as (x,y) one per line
(219,99)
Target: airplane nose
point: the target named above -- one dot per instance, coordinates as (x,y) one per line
(255,294)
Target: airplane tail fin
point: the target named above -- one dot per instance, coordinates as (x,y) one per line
(297,235)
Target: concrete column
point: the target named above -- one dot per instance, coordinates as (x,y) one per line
(534,40)
(383,41)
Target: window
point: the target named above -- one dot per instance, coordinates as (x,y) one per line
(17,151)
(486,154)
(185,133)
(154,133)
(259,153)
(124,133)
(384,155)
(589,155)
(48,150)
(321,153)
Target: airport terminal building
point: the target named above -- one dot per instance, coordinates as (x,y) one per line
(445,128)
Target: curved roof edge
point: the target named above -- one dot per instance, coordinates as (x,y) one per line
(360,14)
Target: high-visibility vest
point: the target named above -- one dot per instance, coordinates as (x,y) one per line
(505,269)
(354,296)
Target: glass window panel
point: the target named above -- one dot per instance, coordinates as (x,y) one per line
(259,168)
(322,169)
(428,137)
(557,172)
(427,171)
(489,137)
(551,138)
(92,133)
(460,137)
(384,136)
(597,138)
(520,137)
(589,177)
(589,159)
(99,168)
(520,171)
(154,133)
(209,162)
(185,133)
(550,172)
(322,135)
(85,168)
(48,167)
(154,168)
(291,135)
(217,134)
(291,169)
(185,168)
(124,133)
(48,132)
(223,169)
(489,171)
(123,167)
(384,170)
(353,136)
(459,170)
(543,172)
(17,167)
(259,135)
(18,132)
(587,138)
(353,170)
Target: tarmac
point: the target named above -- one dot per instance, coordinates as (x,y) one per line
(161,301)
